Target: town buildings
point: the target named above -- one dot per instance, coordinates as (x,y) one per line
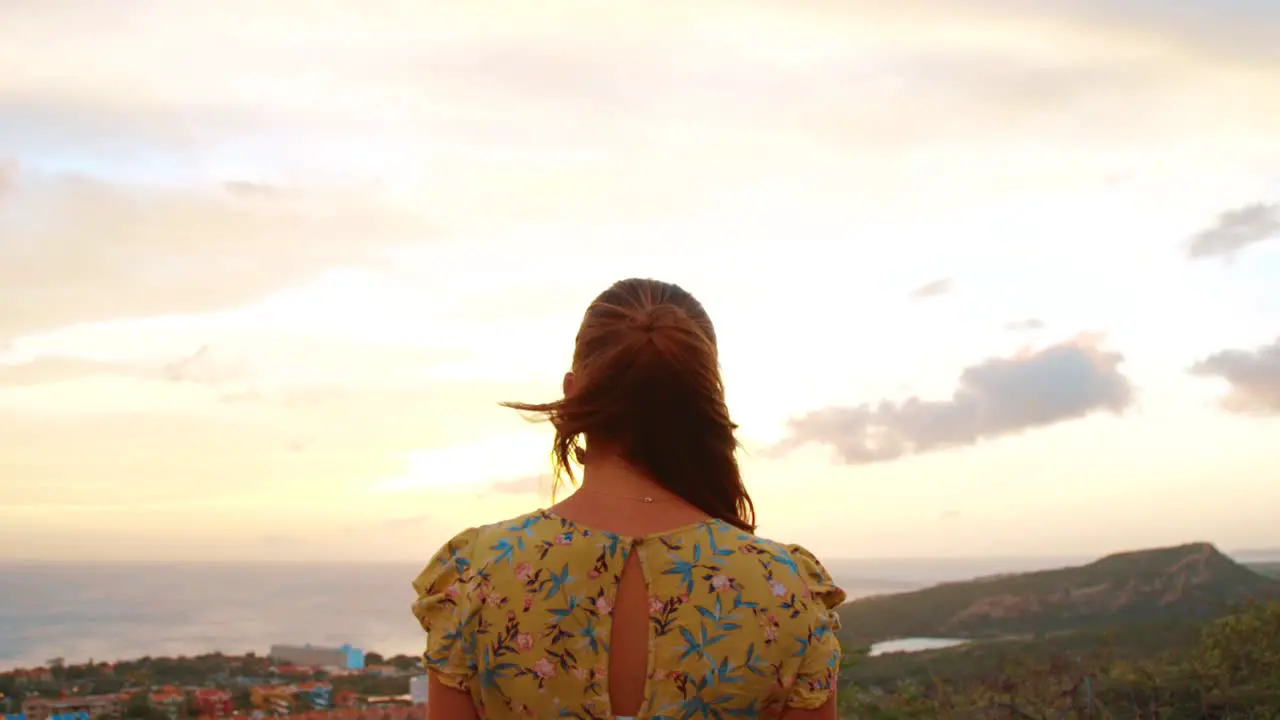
(169,699)
(211,702)
(418,689)
(89,707)
(343,657)
(273,699)
(294,697)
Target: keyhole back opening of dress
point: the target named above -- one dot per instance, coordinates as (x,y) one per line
(629,640)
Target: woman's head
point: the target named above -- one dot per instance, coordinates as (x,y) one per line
(645,385)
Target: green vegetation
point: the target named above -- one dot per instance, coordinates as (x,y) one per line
(1188,582)
(1230,671)
(1175,633)
(234,672)
(94,678)
(1266,569)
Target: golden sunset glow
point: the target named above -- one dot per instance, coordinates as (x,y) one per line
(267,269)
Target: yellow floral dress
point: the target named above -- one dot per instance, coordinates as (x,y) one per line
(518,614)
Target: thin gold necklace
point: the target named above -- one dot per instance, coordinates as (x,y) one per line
(640,498)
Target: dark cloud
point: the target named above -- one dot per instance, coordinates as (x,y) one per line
(1026,325)
(527,485)
(933,288)
(1253,378)
(995,398)
(1237,229)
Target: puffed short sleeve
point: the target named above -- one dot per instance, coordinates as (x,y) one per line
(443,609)
(819,670)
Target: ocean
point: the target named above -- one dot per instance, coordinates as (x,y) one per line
(117,611)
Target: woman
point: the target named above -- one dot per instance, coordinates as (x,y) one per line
(646,593)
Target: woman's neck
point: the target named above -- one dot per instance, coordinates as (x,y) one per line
(609,474)
(617,497)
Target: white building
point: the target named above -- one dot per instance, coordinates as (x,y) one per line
(418,689)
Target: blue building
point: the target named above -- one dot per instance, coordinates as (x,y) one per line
(353,656)
(344,657)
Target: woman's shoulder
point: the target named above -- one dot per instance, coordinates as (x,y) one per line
(784,565)
(456,561)
(504,537)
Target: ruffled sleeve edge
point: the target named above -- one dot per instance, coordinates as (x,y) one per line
(813,689)
(440,608)
(817,579)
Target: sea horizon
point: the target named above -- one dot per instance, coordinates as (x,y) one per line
(127,609)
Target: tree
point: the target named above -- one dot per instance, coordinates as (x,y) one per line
(1238,660)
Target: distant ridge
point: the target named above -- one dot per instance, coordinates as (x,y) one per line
(1188,581)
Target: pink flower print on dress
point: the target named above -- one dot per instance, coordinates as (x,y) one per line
(777,588)
(655,605)
(720,583)
(528,601)
(544,668)
(524,571)
(603,606)
(524,641)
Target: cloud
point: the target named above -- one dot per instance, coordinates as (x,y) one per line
(403,527)
(856,73)
(1025,325)
(8,176)
(408,522)
(264,152)
(57,368)
(995,398)
(246,188)
(1252,376)
(1237,229)
(525,485)
(78,250)
(203,367)
(933,288)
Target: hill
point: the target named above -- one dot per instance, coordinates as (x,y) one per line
(1269,569)
(1185,582)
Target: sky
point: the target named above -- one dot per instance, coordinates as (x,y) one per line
(990,278)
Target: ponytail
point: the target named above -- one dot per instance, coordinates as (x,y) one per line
(647,385)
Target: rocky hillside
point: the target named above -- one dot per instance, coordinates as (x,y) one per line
(1184,582)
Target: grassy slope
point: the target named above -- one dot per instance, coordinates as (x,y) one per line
(1269,569)
(1164,585)
(978,659)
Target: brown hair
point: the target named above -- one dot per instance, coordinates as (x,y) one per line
(647,385)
